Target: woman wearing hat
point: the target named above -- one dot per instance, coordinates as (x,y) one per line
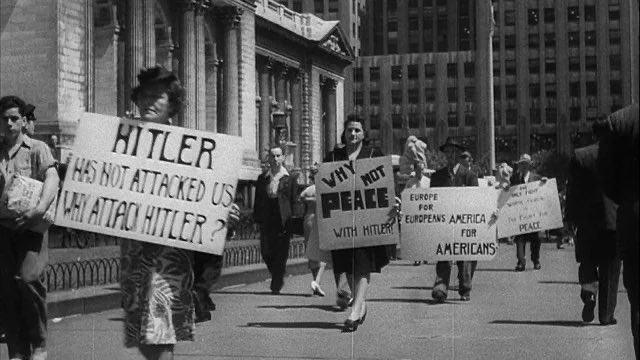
(357,263)
(157,281)
(453,174)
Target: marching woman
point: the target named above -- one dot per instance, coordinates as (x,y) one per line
(157,281)
(357,263)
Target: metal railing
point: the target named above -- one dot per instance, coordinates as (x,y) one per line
(78,274)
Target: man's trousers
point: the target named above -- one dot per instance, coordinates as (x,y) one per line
(466,269)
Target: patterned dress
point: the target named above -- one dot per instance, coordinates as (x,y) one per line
(156,286)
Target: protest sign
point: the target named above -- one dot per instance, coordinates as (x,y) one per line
(354,204)
(150,182)
(529,207)
(20,195)
(448,224)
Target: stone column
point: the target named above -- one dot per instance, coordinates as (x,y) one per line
(200,67)
(187,70)
(281,83)
(484,83)
(305,128)
(265,105)
(149,32)
(212,95)
(296,114)
(90,75)
(231,17)
(330,118)
(134,50)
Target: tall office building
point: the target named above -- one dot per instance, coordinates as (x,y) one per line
(425,69)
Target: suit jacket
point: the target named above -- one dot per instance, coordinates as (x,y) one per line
(463,177)
(339,153)
(517,178)
(287,195)
(588,207)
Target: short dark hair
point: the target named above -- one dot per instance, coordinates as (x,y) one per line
(160,75)
(353,118)
(12,101)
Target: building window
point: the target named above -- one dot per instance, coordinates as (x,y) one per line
(452,71)
(470,118)
(414,121)
(469,93)
(534,90)
(333,6)
(590,13)
(616,87)
(510,67)
(592,88)
(297,6)
(575,113)
(396,121)
(549,15)
(430,94)
(318,6)
(452,95)
(551,115)
(590,38)
(509,17)
(574,89)
(512,116)
(574,39)
(573,14)
(469,69)
(574,64)
(496,67)
(496,92)
(549,40)
(359,98)
(392,46)
(614,12)
(374,73)
(392,26)
(615,63)
(396,96)
(392,5)
(509,42)
(550,66)
(535,115)
(412,71)
(374,119)
(396,72)
(430,118)
(414,96)
(374,97)
(442,33)
(591,63)
(534,66)
(550,90)
(358,74)
(452,118)
(533,17)
(413,23)
(534,41)
(429,71)
(511,91)
(614,36)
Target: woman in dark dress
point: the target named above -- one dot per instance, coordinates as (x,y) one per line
(357,263)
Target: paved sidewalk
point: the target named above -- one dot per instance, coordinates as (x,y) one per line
(529,315)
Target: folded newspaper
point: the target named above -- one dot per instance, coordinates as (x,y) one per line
(20,194)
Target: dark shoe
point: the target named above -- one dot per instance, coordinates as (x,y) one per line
(612,321)
(537,266)
(276,286)
(343,301)
(439,295)
(519,267)
(589,305)
(361,320)
(465,298)
(350,325)
(560,247)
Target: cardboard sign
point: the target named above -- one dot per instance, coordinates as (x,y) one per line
(530,207)
(156,183)
(448,223)
(20,195)
(354,204)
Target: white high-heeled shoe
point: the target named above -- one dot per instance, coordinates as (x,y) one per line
(315,287)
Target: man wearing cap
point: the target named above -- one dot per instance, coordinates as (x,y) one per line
(525,175)
(30,126)
(453,174)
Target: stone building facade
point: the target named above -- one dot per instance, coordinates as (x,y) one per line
(254,69)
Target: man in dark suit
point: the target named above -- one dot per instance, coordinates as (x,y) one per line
(594,216)
(451,175)
(618,168)
(275,195)
(522,176)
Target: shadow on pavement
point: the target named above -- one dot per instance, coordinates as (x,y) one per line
(568,323)
(329,308)
(295,325)
(117,319)
(415,301)
(413,287)
(559,282)
(260,293)
(495,270)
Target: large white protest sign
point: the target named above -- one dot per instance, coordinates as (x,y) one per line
(529,207)
(150,182)
(354,204)
(448,224)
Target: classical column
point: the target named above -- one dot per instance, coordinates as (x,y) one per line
(200,67)
(134,49)
(149,32)
(231,17)
(212,95)
(187,71)
(90,76)
(305,128)
(330,109)
(281,84)
(296,114)
(265,105)
(484,83)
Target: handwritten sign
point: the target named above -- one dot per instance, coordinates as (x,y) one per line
(448,224)
(156,183)
(529,207)
(354,202)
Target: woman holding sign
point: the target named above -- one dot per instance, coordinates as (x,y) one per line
(157,281)
(357,263)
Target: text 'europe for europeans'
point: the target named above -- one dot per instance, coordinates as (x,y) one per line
(442,218)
